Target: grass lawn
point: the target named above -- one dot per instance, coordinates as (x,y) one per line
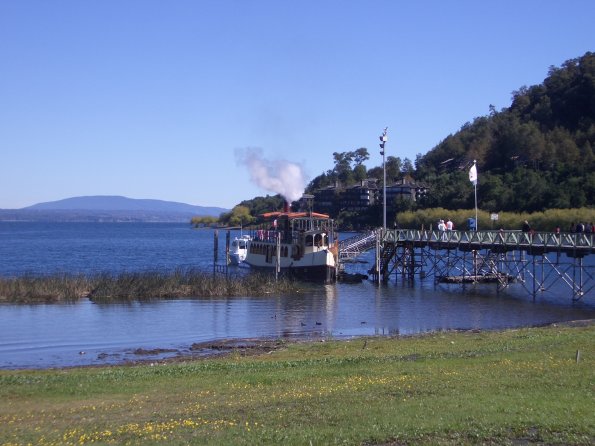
(518,387)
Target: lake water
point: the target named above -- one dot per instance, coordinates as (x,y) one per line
(85,333)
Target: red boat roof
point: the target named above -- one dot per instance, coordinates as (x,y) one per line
(278,214)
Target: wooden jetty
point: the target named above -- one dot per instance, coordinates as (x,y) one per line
(535,259)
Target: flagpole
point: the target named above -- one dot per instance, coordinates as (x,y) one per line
(475,187)
(476,221)
(473,179)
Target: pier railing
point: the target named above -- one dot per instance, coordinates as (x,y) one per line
(505,256)
(354,246)
(571,243)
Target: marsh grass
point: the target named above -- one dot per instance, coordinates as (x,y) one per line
(547,220)
(148,285)
(55,288)
(513,387)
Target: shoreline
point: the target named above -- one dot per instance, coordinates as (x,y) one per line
(513,386)
(258,346)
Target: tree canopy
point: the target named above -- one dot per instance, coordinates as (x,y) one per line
(536,154)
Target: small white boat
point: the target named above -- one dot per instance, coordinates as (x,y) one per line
(239,249)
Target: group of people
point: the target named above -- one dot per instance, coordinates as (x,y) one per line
(582,227)
(577,228)
(526,227)
(443,227)
(448,226)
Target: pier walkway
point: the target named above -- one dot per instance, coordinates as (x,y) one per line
(538,260)
(352,247)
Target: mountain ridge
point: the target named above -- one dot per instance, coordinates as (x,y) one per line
(109,208)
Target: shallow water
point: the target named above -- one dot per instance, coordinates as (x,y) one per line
(85,333)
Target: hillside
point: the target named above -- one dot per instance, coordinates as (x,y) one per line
(109,208)
(536,154)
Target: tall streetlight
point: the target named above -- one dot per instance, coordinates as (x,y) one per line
(383,140)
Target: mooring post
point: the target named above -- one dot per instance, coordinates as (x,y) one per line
(580,278)
(227,239)
(474,265)
(422,273)
(215,250)
(541,287)
(377,268)
(464,266)
(412,264)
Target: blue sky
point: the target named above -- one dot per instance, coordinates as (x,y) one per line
(153,99)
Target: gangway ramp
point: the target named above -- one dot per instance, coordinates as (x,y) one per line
(352,247)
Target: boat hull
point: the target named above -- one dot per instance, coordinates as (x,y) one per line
(321,273)
(317,266)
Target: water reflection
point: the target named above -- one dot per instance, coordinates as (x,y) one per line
(86,333)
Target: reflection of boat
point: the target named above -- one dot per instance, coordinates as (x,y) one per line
(302,244)
(239,249)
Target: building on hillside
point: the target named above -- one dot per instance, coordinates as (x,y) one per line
(406,188)
(326,199)
(364,194)
(360,196)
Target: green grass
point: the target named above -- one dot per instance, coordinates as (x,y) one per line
(513,387)
(129,286)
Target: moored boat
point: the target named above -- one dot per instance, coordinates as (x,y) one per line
(300,244)
(239,249)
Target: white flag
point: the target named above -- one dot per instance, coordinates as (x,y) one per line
(473,174)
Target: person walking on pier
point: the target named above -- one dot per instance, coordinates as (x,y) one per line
(442,229)
(526,226)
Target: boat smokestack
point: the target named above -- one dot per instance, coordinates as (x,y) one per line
(286,206)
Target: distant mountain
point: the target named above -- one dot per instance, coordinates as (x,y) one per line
(109,208)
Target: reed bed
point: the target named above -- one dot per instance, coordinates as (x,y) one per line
(547,220)
(147,285)
(54,288)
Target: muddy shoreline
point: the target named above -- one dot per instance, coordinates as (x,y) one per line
(201,351)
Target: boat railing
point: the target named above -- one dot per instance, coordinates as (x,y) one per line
(266,235)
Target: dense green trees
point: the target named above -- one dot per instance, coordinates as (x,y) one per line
(536,154)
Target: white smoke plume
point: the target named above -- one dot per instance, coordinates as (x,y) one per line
(278,176)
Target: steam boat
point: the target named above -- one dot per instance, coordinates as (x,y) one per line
(300,244)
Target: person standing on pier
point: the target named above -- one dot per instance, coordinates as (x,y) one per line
(526,226)
(442,229)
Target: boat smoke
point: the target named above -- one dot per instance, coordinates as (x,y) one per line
(278,176)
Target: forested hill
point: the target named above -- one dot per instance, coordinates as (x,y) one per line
(536,154)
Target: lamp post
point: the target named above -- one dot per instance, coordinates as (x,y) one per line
(383,140)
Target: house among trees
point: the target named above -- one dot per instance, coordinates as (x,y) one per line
(356,197)
(365,194)
(327,197)
(405,189)
(360,196)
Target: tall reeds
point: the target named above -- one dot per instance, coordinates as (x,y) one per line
(55,288)
(545,221)
(128,286)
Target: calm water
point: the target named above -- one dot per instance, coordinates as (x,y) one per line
(36,336)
